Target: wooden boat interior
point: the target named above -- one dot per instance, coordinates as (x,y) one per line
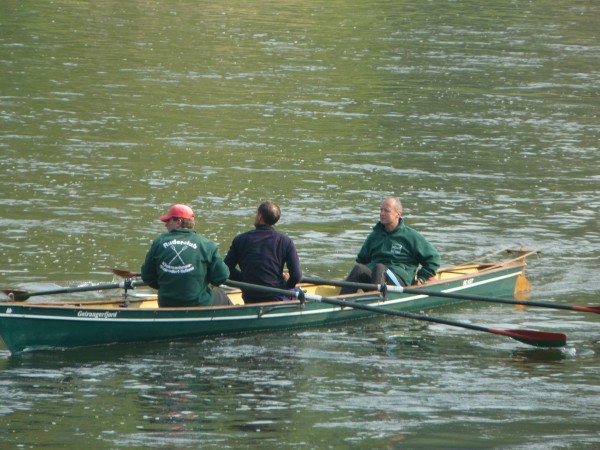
(146,300)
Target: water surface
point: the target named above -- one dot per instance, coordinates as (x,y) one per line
(482,117)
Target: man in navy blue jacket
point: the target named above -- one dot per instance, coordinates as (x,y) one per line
(261,255)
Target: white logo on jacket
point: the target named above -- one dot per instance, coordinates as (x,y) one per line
(396,248)
(177,265)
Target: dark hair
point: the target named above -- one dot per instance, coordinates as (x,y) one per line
(270,212)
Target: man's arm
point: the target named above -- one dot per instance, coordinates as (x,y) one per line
(149,274)
(364,254)
(231,261)
(292,261)
(429,259)
(218,271)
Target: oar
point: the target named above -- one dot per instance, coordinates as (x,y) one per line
(129,274)
(125,273)
(477,298)
(21,296)
(531,337)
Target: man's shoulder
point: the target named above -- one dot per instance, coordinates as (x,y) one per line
(285,238)
(245,235)
(258,231)
(193,236)
(411,234)
(181,234)
(406,230)
(377,230)
(282,237)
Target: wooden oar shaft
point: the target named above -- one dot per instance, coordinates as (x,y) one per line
(454,295)
(22,296)
(531,337)
(379,309)
(484,298)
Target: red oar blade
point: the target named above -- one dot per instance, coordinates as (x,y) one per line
(125,273)
(16,296)
(592,309)
(533,337)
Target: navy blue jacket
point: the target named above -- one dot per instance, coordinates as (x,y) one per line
(261,255)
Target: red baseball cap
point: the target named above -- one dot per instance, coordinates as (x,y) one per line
(183,211)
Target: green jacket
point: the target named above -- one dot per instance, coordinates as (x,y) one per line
(402,250)
(181,265)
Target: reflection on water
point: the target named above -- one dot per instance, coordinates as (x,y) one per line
(535,356)
(371,382)
(482,117)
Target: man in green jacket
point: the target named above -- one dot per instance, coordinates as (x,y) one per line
(394,253)
(181,264)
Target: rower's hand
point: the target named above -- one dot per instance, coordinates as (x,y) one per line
(421,281)
(286,276)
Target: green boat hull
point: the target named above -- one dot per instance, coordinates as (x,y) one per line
(38,326)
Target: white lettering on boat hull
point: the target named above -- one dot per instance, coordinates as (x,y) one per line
(97,314)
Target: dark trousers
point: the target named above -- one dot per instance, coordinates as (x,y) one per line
(220,298)
(362,274)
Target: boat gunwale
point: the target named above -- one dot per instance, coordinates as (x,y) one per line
(121,305)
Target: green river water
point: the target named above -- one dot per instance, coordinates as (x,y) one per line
(482,116)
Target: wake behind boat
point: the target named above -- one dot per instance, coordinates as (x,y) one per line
(45,324)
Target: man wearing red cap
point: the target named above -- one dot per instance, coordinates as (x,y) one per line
(181,264)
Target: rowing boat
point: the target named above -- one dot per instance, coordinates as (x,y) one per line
(132,317)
